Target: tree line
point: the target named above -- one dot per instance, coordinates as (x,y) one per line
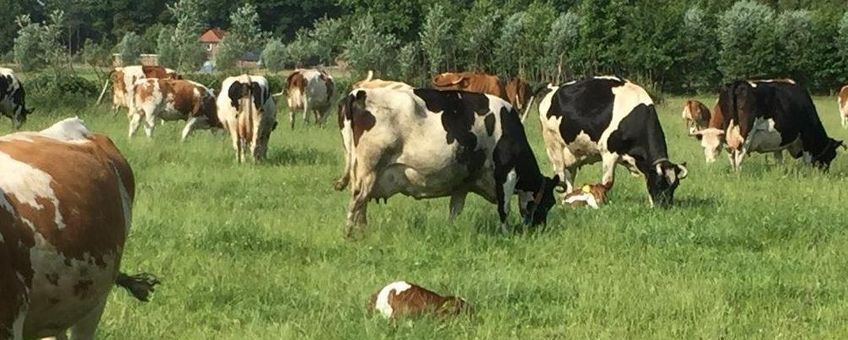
(666,45)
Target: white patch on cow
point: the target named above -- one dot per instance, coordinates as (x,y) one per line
(508,188)
(28,185)
(545,104)
(609,78)
(753,84)
(18,323)
(585,197)
(382,303)
(68,130)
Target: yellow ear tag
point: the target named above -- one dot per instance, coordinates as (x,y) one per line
(587,188)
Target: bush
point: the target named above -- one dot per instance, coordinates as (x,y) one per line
(437,39)
(479,32)
(697,56)
(562,40)
(319,45)
(748,44)
(368,48)
(274,55)
(61,85)
(130,48)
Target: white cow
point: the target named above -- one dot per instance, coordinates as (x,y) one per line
(309,90)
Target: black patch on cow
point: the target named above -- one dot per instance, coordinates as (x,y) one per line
(53,278)
(584,106)
(239,90)
(490,124)
(5,86)
(458,111)
(353,109)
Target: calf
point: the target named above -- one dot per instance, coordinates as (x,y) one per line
(124,78)
(173,100)
(247,111)
(401,298)
(696,116)
(612,120)
(309,90)
(771,116)
(428,143)
(842,100)
(471,82)
(65,212)
(12,98)
(370,83)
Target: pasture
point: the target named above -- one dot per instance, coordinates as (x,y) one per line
(256,251)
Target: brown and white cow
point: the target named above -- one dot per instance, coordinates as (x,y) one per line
(247,111)
(66,198)
(403,299)
(695,115)
(12,98)
(520,95)
(842,100)
(471,82)
(124,78)
(309,90)
(169,100)
(370,83)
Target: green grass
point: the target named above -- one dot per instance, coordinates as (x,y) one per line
(256,251)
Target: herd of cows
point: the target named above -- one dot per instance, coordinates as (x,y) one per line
(63,228)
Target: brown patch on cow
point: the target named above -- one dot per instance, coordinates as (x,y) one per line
(295,80)
(698,113)
(82,288)
(843,101)
(598,191)
(354,110)
(89,188)
(158,72)
(519,93)
(53,278)
(416,301)
(15,241)
(118,82)
(471,82)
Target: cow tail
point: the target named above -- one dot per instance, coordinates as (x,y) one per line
(139,285)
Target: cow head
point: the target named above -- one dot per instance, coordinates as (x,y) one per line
(711,140)
(827,155)
(664,178)
(535,205)
(451,80)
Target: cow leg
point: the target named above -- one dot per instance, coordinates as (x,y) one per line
(845,121)
(457,202)
(504,190)
(86,327)
(778,156)
(189,127)
(609,161)
(149,125)
(135,122)
(358,206)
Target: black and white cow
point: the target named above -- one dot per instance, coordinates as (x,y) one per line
(12,98)
(428,143)
(247,111)
(769,116)
(612,120)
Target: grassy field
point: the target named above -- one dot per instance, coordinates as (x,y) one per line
(256,251)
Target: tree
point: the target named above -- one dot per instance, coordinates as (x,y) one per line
(480,31)
(842,46)
(368,48)
(179,48)
(696,58)
(37,45)
(562,40)
(274,55)
(797,41)
(244,35)
(748,44)
(437,38)
(130,48)
(98,57)
(508,48)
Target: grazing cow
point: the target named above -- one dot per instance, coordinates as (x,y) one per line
(12,98)
(247,111)
(401,299)
(168,99)
(712,137)
(696,116)
(612,120)
(309,90)
(471,82)
(429,143)
(124,78)
(520,95)
(65,211)
(842,100)
(768,116)
(370,83)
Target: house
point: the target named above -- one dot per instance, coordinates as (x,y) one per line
(211,40)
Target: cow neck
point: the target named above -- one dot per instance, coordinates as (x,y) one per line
(530,178)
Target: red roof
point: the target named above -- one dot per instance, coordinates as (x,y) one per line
(213,35)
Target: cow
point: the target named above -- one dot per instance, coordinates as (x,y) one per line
(173,100)
(124,78)
(13,98)
(612,120)
(520,95)
(247,111)
(428,143)
(401,299)
(370,83)
(309,90)
(768,116)
(696,116)
(471,82)
(842,100)
(712,136)
(65,212)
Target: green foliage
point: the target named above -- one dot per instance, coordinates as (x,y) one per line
(368,48)
(179,46)
(57,90)
(437,39)
(748,41)
(797,41)
(411,67)
(479,30)
(319,45)
(697,52)
(563,39)
(130,48)
(274,55)
(37,45)
(508,49)
(230,50)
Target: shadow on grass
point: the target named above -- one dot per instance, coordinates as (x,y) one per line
(299,156)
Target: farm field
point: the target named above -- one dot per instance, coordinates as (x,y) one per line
(256,251)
